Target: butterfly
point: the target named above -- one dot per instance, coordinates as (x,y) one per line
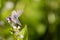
(13,18)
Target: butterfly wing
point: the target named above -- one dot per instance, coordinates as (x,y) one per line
(18,22)
(19,12)
(15,15)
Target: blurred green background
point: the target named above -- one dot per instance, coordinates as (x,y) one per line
(41,17)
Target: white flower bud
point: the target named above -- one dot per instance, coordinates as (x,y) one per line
(18,27)
(21,36)
(8,21)
(14,27)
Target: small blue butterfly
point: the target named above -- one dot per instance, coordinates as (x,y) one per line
(13,18)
